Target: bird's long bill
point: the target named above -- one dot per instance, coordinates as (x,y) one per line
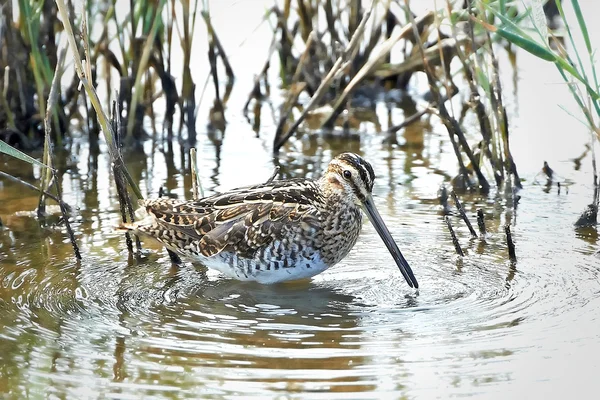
(386,236)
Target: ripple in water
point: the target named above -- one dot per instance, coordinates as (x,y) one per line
(476,322)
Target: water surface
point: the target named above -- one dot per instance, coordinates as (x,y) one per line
(115,326)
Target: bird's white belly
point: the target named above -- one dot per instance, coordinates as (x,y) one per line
(301,269)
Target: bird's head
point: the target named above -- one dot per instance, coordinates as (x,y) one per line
(350,177)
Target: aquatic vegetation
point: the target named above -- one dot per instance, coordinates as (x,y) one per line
(582,81)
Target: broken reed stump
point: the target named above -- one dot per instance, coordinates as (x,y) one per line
(454,239)
(589,216)
(463,215)
(549,172)
(481,223)
(511,245)
(443,198)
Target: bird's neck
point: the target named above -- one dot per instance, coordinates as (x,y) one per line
(342,220)
(334,194)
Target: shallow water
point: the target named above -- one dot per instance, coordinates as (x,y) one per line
(480,326)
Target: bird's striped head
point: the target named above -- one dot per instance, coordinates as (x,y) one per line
(351,174)
(350,178)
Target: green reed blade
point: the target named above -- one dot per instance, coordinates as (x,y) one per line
(570,34)
(569,113)
(586,38)
(505,21)
(11,151)
(517,36)
(528,45)
(576,96)
(582,25)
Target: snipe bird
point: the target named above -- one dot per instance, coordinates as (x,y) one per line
(276,231)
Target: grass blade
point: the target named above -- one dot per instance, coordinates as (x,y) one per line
(11,151)
(586,38)
(527,44)
(582,25)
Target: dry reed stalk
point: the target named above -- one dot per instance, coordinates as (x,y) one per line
(256,93)
(449,122)
(197,191)
(141,68)
(187,101)
(274,174)
(476,103)
(295,88)
(4,102)
(369,66)
(338,68)
(408,121)
(85,76)
(502,118)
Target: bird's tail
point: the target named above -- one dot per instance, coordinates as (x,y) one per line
(142,217)
(126,227)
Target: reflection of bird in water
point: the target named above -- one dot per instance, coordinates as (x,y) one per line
(288,298)
(188,287)
(276,231)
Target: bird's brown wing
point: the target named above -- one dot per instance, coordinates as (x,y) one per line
(243,220)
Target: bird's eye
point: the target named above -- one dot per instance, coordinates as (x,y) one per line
(347,174)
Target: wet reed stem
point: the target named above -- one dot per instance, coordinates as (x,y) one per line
(453,235)
(85,76)
(462,213)
(481,223)
(449,122)
(509,241)
(49,175)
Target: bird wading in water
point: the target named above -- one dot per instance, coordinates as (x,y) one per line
(276,231)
